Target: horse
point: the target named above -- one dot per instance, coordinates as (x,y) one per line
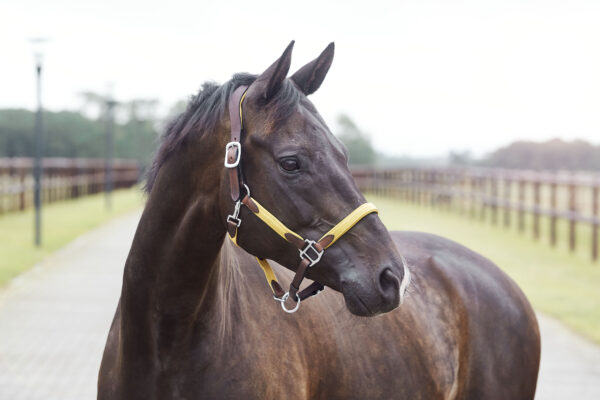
(196,319)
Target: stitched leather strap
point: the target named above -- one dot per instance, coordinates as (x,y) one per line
(344,225)
(235,119)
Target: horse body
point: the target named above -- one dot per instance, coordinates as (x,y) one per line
(465,332)
(197,320)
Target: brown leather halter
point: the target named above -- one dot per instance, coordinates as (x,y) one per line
(310,251)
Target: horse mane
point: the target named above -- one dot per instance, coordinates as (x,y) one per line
(207,108)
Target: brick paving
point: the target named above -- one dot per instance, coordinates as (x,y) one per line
(54,320)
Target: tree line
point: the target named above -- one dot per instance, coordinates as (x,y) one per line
(553,154)
(74,134)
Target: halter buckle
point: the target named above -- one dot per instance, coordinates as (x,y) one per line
(314,256)
(236,221)
(229,146)
(235,216)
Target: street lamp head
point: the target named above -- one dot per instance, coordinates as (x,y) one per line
(38,53)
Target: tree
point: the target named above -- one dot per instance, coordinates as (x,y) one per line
(460,158)
(70,134)
(358,143)
(550,155)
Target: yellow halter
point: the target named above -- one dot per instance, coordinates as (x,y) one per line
(310,251)
(292,237)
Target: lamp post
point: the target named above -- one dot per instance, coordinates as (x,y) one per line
(39,142)
(108,160)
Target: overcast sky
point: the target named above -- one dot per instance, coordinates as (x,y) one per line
(422,77)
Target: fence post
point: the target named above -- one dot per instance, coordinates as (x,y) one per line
(595,223)
(521,214)
(572,211)
(553,217)
(413,185)
(482,191)
(473,197)
(507,202)
(433,178)
(494,200)
(464,183)
(420,186)
(450,181)
(536,210)
(74,182)
(47,191)
(426,189)
(22,190)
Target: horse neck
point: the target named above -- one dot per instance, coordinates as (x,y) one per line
(172,271)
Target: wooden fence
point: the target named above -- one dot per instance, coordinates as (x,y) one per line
(63,178)
(532,200)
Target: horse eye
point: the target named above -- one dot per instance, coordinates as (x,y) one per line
(289,164)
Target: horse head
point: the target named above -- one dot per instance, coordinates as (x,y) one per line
(298,170)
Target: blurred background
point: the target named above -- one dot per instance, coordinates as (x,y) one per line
(476,120)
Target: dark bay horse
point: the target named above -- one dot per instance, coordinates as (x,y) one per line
(196,319)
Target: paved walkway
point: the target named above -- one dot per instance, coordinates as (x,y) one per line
(54,320)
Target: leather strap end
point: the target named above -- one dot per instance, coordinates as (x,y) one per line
(277,289)
(295,285)
(295,240)
(231,228)
(293,292)
(311,290)
(250,204)
(325,242)
(234,184)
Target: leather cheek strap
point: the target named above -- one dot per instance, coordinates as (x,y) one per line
(233,152)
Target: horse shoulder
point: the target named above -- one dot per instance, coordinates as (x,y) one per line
(499,341)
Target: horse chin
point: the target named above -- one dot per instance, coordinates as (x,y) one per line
(364,308)
(358,307)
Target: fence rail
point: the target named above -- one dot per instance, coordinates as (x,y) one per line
(494,194)
(63,178)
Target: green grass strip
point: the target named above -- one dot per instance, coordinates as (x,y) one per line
(561,284)
(61,223)
(558,283)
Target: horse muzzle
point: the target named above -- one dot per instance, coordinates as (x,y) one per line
(370,297)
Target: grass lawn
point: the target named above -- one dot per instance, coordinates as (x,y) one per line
(558,283)
(61,223)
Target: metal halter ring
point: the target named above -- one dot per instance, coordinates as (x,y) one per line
(282,300)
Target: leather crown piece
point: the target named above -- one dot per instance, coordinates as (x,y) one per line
(310,251)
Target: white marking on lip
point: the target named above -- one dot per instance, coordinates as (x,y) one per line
(405,279)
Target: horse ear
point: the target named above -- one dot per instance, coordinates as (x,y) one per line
(269,82)
(310,77)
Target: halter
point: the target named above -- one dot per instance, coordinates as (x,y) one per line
(310,251)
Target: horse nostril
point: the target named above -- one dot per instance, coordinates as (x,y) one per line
(389,284)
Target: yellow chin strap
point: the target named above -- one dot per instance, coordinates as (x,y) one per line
(349,221)
(310,250)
